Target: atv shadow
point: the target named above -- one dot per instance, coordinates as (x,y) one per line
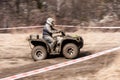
(55,56)
(81,54)
(84,53)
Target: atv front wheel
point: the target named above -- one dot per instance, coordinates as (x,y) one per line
(70,51)
(39,53)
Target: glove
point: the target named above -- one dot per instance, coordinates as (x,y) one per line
(60,31)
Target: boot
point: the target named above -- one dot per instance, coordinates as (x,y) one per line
(53,45)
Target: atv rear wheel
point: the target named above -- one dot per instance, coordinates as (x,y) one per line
(39,53)
(70,51)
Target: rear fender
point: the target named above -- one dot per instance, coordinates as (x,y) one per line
(40,42)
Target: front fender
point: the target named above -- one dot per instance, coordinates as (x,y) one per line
(78,41)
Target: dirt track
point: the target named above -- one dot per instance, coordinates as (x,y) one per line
(15,57)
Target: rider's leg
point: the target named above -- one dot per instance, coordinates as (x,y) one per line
(50,40)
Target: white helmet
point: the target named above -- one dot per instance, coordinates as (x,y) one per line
(50,21)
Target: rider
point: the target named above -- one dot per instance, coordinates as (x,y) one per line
(48,30)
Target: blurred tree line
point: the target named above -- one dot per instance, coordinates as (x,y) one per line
(34,12)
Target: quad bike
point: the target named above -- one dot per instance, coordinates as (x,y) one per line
(66,45)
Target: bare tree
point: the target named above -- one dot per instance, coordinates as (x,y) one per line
(17,2)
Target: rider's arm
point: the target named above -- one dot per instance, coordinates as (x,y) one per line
(51,30)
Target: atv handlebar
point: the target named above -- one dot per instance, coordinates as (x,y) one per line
(60,35)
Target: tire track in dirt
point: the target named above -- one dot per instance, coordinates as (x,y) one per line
(84,69)
(37,65)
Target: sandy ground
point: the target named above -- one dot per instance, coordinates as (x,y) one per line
(15,58)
